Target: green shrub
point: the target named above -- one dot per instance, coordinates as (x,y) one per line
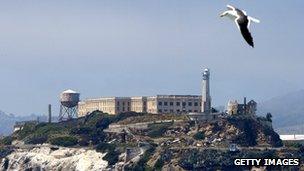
(157,130)
(84,141)
(26,130)
(301,149)
(48,129)
(92,119)
(81,130)
(191,123)
(103,123)
(269,117)
(141,165)
(97,136)
(123,116)
(293,144)
(112,154)
(7,140)
(111,157)
(41,131)
(159,164)
(4,152)
(36,139)
(249,129)
(199,136)
(105,147)
(65,141)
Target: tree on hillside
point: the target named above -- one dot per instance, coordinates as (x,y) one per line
(269,117)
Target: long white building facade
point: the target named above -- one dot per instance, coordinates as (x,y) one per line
(159,104)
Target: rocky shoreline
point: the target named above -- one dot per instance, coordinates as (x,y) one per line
(44,157)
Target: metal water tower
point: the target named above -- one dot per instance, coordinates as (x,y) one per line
(68,105)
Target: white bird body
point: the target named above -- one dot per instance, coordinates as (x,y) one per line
(242,21)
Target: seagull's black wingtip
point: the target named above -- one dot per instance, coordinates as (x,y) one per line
(251,44)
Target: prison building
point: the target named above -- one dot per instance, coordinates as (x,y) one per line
(160,104)
(176,104)
(110,105)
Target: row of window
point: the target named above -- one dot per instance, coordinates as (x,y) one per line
(128,109)
(123,103)
(178,103)
(123,109)
(178,111)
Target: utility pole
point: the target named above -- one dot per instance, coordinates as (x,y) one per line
(50,113)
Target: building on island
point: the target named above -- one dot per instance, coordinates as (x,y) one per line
(176,104)
(234,107)
(139,104)
(159,104)
(111,105)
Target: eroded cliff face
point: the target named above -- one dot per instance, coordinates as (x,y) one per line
(244,131)
(49,158)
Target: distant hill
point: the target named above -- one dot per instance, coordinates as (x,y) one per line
(7,121)
(287,112)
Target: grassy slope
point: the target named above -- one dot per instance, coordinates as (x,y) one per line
(86,130)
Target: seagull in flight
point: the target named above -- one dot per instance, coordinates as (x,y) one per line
(242,20)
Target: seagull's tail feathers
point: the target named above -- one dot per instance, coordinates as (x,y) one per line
(254,19)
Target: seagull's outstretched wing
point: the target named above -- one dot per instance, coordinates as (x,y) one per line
(243,25)
(253,19)
(247,36)
(230,7)
(245,13)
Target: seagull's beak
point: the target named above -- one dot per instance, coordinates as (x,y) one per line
(222,15)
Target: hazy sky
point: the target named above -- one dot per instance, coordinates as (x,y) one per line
(145,47)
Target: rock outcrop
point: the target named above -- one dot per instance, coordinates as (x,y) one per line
(244,131)
(49,158)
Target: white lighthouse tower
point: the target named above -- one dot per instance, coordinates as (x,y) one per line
(206,98)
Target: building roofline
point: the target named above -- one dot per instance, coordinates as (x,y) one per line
(141,97)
